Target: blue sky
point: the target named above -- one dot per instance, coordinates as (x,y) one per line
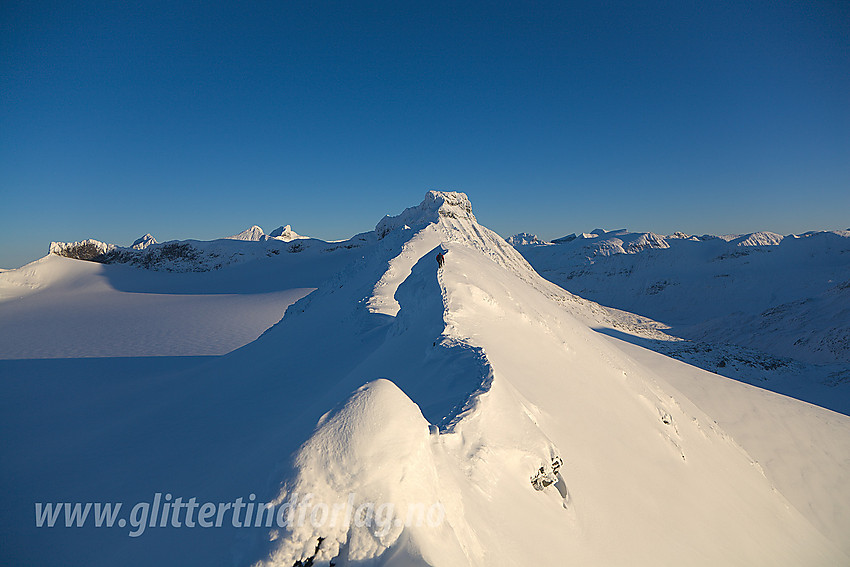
(198,119)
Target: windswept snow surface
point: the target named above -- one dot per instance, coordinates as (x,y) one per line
(398,385)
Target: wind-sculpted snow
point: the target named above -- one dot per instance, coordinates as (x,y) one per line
(377,450)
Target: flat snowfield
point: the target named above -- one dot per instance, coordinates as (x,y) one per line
(64,308)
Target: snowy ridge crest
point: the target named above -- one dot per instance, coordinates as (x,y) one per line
(480,395)
(442,218)
(547,376)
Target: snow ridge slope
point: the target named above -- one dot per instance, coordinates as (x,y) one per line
(641,460)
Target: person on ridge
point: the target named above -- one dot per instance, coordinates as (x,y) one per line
(440,260)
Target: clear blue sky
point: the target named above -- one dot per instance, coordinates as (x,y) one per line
(198,119)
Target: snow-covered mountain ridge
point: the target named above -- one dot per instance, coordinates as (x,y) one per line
(255,234)
(400,382)
(195,255)
(786,296)
(601,241)
(506,377)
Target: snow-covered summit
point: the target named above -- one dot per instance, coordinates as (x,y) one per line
(196,255)
(490,379)
(758,239)
(646,240)
(143,242)
(256,234)
(440,219)
(253,233)
(285,233)
(621,241)
(436,204)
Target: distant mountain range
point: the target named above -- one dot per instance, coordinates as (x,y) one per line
(189,255)
(784,295)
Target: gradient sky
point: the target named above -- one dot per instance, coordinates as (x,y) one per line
(198,119)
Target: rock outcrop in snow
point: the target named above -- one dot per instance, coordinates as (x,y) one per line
(200,256)
(523,239)
(89,249)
